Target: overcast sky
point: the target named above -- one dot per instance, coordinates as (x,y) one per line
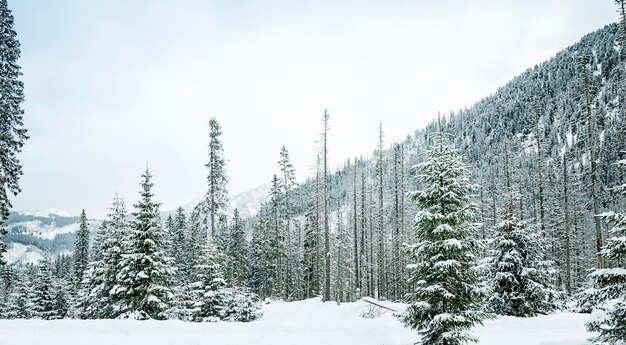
(111,85)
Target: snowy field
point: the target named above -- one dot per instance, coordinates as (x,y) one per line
(304,322)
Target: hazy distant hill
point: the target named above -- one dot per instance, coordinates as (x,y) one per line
(32,234)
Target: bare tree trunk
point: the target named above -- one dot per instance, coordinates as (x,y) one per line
(327,296)
(357,277)
(568,271)
(363,234)
(381,229)
(396,226)
(318,235)
(542,210)
(402,227)
(592,157)
(338,282)
(373,291)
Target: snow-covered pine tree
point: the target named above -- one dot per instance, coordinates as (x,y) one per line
(7,278)
(216,199)
(277,244)
(206,290)
(288,180)
(44,304)
(143,282)
(519,285)
(180,237)
(81,251)
(62,297)
(261,274)
(609,291)
(445,298)
(310,246)
(19,302)
(236,251)
(12,132)
(96,298)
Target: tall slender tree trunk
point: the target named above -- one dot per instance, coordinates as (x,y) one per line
(357,277)
(402,227)
(327,296)
(373,291)
(396,226)
(338,282)
(566,228)
(592,157)
(381,226)
(318,235)
(542,210)
(363,235)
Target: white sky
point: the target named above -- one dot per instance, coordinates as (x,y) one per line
(111,85)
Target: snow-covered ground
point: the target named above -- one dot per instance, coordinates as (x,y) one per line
(304,322)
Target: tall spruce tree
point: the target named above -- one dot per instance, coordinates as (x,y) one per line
(236,251)
(288,181)
(445,297)
(143,288)
(97,297)
(519,285)
(215,202)
(12,132)
(181,238)
(44,304)
(19,302)
(81,245)
(206,290)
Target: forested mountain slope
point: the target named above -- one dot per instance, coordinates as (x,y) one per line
(547,102)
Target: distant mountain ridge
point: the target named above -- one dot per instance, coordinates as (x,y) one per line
(35,234)
(247,203)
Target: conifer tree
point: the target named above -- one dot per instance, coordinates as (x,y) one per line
(311,275)
(44,304)
(12,132)
(97,299)
(216,199)
(7,282)
(445,298)
(288,180)
(609,290)
(277,239)
(81,252)
(19,302)
(180,237)
(236,251)
(207,301)
(62,297)
(143,288)
(519,285)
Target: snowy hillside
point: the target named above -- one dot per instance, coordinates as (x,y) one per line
(33,234)
(304,322)
(24,253)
